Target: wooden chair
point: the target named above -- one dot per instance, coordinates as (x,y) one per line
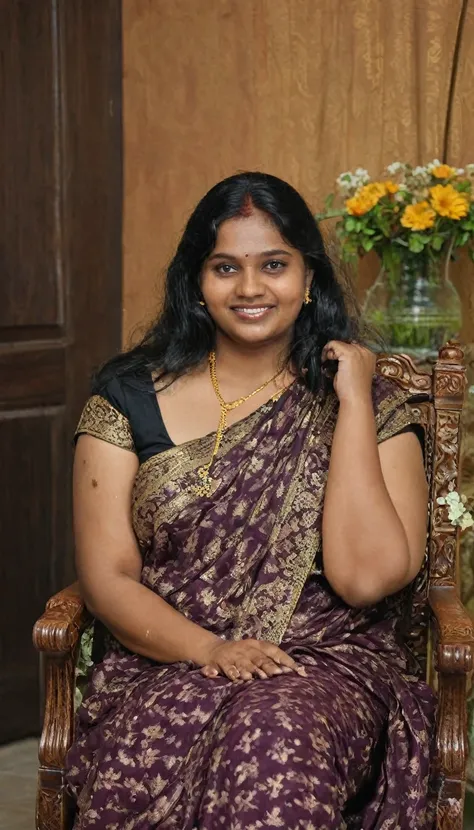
(441,632)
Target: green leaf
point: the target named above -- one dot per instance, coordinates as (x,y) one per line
(367,245)
(328,202)
(358,225)
(437,242)
(415,244)
(369,232)
(350,223)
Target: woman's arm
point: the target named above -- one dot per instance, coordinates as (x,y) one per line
(374,522)
(109,562)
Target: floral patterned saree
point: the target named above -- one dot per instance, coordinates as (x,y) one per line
(161,746)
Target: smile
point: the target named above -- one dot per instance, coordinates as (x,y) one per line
(252,312)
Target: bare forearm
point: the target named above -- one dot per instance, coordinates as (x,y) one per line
(144,623)
(365,548)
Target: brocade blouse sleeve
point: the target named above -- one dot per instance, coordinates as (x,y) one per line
(104,417)
(393,413)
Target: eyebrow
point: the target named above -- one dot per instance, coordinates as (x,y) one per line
(273,252)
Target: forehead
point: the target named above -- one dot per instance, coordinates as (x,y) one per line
(249,235)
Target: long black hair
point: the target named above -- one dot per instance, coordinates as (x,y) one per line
(184,333)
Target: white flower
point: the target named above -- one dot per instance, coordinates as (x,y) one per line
(395,168)
(467,520)
(460,171)
(433,164)
(458,515)
(362,175)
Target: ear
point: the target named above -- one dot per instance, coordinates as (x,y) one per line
(308,278)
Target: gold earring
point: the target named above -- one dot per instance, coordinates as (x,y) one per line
(201,302)
(307,297)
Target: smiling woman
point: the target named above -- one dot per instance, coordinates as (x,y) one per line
(246,525)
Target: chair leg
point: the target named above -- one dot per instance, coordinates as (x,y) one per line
(54,807)
(450,805)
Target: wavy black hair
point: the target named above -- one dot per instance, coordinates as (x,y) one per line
(184,333)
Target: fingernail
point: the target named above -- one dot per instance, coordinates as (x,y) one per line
(301,671)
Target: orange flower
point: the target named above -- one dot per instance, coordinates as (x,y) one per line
(357,206)
(391,187)
(365,199)
(449,202)
(418,217)
(443,171)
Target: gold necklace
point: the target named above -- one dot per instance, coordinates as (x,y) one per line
(206,487)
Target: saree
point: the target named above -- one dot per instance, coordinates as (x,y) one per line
(162,746)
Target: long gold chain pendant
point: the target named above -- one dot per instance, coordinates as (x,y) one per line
(205,489)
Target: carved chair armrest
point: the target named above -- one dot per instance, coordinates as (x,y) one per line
(455,631)
(58,631)
(57,636)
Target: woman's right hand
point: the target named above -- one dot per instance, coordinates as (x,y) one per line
(245,659)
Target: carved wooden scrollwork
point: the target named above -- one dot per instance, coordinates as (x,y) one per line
(403,371)
(56,635)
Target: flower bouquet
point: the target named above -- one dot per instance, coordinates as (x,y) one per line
(415,219)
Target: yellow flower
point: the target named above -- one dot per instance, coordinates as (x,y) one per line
(365,199)
(443,171)
(391,187)
(447,201)
(418,217)
(375,190)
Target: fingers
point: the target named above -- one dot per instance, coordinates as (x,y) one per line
(248,659)
(210,671)
(281,658)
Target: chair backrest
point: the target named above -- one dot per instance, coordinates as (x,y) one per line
(437,397)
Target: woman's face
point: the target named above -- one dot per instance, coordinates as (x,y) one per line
(253,282)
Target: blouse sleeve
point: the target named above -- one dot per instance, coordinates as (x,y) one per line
(393,413)
(104,416)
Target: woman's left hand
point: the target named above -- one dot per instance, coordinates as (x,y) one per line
(356,367)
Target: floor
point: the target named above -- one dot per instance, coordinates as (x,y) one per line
(18,764)
(18,783)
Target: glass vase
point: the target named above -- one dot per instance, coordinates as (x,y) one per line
(414,307)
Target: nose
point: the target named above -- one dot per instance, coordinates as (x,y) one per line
(250,284)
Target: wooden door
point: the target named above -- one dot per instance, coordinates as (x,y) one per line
(60,296)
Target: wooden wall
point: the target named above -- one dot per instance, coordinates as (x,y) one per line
(300,88)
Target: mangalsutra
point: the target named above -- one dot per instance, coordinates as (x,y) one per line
(204,472)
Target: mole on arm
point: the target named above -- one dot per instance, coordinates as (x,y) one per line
(95,483)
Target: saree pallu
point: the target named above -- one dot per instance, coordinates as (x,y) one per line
(161,746)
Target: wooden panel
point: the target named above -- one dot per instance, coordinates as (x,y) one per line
(60,295)
(92,129)
(300,89)
(33,377)
(32,528)
(30,260)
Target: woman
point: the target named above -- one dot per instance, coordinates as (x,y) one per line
(245,528)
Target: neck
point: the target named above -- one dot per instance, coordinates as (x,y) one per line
(241,361)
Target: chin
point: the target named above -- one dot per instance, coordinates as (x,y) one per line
(255,337)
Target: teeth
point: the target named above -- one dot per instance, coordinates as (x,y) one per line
(252,310)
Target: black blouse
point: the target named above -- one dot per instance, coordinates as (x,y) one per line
(137,418)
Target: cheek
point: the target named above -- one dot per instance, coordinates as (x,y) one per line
(289,293)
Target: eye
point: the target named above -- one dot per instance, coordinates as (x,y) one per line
(275,265)
(224,268)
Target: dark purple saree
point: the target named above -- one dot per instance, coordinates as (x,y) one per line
(160,746)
